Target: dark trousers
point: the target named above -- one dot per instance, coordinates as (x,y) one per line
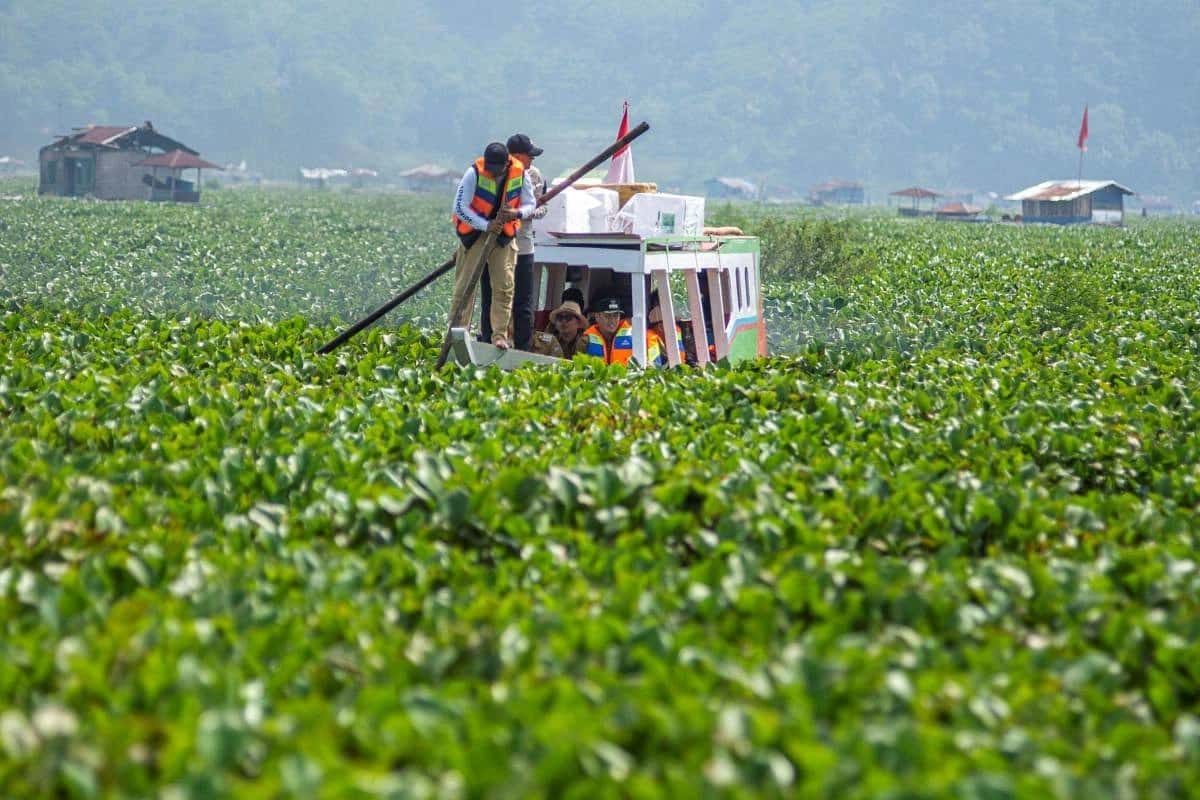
(523,302)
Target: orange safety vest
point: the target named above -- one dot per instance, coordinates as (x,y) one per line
(661,344)
(621,350)
(486,191)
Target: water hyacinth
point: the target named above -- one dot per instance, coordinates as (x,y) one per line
(941,543)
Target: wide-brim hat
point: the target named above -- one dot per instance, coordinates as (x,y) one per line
(569,307)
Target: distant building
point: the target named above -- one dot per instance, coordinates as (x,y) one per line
(240,174)
(838,193)
(962,212)
(429,178)
(916,194)
(119,162)
(1156,205)
(730,189)
(966,196)
(10,165)
(319,176)
(1072,202)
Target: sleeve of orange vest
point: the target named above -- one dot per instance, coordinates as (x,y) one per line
(462,201)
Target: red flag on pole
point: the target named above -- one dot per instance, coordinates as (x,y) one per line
(621,168)
(1083,132)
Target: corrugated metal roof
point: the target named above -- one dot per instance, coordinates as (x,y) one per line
(120,136)
(432,171)
(833,186)
(738,184)
(959,209)
(1065,191)
(101,134)
(177,159)
(916,192)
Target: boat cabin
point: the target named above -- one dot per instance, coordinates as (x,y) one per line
(716,301)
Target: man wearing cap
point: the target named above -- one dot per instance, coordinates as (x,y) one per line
(522,149)
(493,196)
(564,338)
(611,338)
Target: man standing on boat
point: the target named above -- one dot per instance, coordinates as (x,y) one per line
(492,196)
(522,149)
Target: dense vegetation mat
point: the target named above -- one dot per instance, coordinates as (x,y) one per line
(942,544)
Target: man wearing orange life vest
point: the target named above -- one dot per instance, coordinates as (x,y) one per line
(493,196)
(656,329)
(611,338)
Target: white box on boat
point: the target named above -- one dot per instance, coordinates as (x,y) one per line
(601,215)
(568,212)
(661,215)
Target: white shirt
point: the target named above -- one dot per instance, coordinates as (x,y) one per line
(525,234)
(466,191)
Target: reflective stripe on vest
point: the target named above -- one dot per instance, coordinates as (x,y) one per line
(483,202)
(621,351)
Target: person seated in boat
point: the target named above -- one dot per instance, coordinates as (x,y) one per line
(611,338)
(563,337)
(575,295)
(655,329)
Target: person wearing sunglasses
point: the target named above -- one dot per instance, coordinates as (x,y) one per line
(564,337)
(611,338)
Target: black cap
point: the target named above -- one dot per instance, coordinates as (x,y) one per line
(608,304)
(495,154)
(520,143)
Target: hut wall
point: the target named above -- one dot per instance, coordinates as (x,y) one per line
(117,178)
(1108,205)
(50,161)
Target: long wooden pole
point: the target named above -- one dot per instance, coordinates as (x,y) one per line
(458,310)
(365,322)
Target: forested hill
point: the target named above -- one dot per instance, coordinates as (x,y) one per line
(982,95)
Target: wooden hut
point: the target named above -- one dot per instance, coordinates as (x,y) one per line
(171,186)
(104,161)
(1071,202)
(916,194)
(838,193)
(958,211)
(1156,205)
(429,178)
(730,189)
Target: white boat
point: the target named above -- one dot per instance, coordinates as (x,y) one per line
(720,301)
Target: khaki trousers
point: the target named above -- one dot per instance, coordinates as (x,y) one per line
(500,274)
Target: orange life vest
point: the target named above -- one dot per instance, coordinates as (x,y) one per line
(661,345)
(484,201)
(621,351)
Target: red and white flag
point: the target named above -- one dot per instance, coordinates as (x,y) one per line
(621,168)
(1083,132)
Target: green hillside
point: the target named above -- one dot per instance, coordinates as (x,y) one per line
(986,96)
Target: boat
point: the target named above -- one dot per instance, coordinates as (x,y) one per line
(715,297)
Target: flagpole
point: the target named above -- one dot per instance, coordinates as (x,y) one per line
(1082,145)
